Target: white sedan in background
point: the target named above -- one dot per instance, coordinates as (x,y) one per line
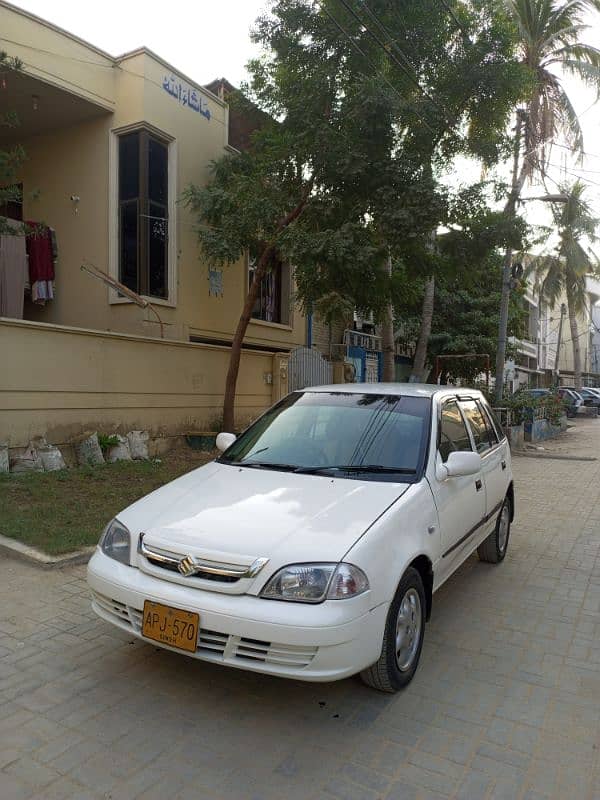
(312,547)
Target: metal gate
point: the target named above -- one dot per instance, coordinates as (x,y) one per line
(308,368)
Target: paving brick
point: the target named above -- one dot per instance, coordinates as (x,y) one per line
(506,703)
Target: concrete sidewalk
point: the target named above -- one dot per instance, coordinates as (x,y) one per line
(506,703)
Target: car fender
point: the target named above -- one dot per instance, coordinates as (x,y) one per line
(408,529)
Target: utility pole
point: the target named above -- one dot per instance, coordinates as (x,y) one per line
(506,271)
(563,311)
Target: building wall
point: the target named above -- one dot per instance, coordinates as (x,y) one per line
(79,160)
(325,337)
(57,382)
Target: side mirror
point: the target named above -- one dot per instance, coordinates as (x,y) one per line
(225,440)
(461,463)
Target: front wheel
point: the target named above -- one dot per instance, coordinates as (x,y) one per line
(402,638)
(493,549)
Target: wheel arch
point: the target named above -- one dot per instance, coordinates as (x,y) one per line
(424,567)
(511,496)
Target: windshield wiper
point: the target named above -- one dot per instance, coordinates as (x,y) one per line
(356,468)
(265,465)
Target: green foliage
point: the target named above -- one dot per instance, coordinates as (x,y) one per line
(11,155)
(468,286)
(551,44)
(563,272)
(106,441)
(523,405)
(351,137)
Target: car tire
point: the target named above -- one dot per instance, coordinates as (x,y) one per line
(402,637)
(494,548)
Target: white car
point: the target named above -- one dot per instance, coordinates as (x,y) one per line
(311,548)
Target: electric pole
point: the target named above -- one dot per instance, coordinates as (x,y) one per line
(511,207)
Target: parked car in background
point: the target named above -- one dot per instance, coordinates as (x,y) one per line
(590,397)
(312,547)
(572,399)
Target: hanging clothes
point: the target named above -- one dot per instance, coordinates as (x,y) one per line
(13,270)
(41,249)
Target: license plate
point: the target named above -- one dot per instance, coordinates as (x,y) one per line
(171,626)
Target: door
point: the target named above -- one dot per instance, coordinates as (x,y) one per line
(493,458)
(460,501)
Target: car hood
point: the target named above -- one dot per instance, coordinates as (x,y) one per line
(223,510)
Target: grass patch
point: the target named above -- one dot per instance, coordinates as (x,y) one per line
(58,512)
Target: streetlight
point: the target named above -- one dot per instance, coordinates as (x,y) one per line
(507,275)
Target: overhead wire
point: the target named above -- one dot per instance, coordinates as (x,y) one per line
(373,66)
(407,70)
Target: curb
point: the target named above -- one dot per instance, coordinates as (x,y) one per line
(557,456)
(24,552)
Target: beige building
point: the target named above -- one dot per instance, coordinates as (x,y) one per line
(110,144)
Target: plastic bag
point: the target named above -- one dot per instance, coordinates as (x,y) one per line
(87,450)
(119,452)
(52,458)
(138,445)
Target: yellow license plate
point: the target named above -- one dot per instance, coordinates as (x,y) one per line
(171,626)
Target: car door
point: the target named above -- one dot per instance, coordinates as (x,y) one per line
(460,501)
(493,457)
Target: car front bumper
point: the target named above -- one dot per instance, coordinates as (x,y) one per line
(323,642)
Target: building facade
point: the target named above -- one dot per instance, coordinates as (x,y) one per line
(110,144)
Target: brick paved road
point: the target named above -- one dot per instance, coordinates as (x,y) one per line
(506,703)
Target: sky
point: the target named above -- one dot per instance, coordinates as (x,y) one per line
(209,39)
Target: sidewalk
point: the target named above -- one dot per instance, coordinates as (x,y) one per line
(506,702)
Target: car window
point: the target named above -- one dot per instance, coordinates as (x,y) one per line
(332,430)
(453,431)
(477,424)
(494,430)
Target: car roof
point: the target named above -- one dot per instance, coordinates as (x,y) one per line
(406,389)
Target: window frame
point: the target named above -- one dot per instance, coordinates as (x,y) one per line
(286,310)
(479,407)
(447,401)
(114,298)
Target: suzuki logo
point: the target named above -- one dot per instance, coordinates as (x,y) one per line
(187,566)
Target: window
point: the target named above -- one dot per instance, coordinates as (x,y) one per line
(453,431)
(364,436)
(479,429)
(272,303)
(12,207)
(496,432)
(143,213)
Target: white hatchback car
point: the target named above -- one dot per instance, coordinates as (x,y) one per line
(312,547)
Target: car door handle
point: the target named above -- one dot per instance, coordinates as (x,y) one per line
(478,485)
(504,465)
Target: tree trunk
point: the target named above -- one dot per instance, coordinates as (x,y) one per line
(242,326)
(417,374)
(518,181)
(575,342)
(387,336)
(238,340)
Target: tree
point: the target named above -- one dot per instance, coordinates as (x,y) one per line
(550,40)
(11,156)
(340,178)
(469,269)
(564,272)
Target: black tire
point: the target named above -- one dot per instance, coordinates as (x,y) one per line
(387,674)
(494,548)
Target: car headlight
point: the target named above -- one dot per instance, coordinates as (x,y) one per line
(313,583)
(115,542)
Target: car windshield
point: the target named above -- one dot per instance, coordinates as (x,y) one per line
(342,434)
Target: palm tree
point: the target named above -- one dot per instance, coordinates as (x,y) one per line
(550,34)
(564,273)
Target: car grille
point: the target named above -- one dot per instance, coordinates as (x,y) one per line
(205,576)
(218,646)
